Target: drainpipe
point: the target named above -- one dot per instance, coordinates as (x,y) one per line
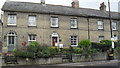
(88,28)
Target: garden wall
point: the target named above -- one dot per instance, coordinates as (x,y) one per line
(93,57)
(24,61)
(58,59)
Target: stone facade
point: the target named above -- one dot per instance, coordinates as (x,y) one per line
(1,35)
(87,28)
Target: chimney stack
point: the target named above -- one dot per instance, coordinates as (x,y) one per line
(75,4)
(42,1)
(102,6)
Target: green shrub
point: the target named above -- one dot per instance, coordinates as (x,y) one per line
(32,48)
(30,54)
(54,50)
(117,49)
(20,54)
(44,54)
(33,44)
(85,45)
(24,54)
(106,42)
(101,46)
(65,50)
(76,50)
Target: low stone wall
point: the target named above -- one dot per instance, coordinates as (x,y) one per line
(99,56)
(58,59)
(24,61)
(117,56)
(93,57)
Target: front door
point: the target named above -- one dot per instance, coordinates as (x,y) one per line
(11,43)
(54,40)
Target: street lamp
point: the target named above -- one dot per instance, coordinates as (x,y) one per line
(111,55)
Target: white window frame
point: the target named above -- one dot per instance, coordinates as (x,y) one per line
(32,20)
(56,22)
(73,21)
(73,40)
(11,19)
(114,24)
(100,25)
(31,35)
(101,38)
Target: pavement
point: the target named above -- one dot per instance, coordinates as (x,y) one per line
(94,64)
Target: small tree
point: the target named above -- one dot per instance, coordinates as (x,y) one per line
(85,44)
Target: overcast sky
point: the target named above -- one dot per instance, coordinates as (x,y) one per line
(94,4)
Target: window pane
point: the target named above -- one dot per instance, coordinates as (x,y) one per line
(114,25)
(101,38)
(10,39)
(73,23)
(32,20)
(54,22)
(11,19)
(100,24)
(74,40)
(32,38)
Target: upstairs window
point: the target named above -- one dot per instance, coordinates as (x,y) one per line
(114,26)
(100,25)
(54,21)
(11,19)
(31,37)
(32,20)
(73,23)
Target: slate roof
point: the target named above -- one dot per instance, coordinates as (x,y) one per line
(55,9)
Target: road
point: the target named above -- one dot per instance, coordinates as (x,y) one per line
(96,64)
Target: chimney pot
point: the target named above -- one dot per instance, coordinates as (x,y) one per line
(75,4)
(42,1)
(102,6)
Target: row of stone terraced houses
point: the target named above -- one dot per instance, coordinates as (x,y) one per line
(54,24)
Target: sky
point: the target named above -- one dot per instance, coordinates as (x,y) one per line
(94,4)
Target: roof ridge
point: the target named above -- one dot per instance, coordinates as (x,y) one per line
(59,5)
(54,9)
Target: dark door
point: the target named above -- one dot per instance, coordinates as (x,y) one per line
(54,40)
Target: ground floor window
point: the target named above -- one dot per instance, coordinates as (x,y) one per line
(74,41)
(31,37)
(101,38)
